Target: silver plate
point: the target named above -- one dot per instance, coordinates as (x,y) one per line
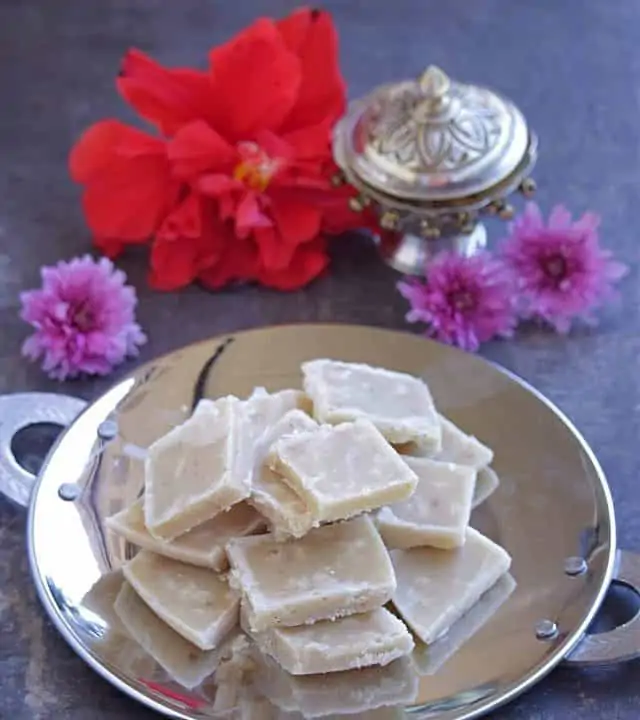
(552,508)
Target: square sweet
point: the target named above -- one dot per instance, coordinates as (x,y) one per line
(463,449)
(456,447)
(333,571)
(189,474)
(438,512)
(203,546)
(487,483)
(196,602)
(340,471)
(270,495)
(376,637)
(369,692)
(428,659)
(183,661)
(256,416)
(435,588)
(398,404)
(232,681)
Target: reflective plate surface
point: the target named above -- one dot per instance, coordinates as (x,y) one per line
(552,504)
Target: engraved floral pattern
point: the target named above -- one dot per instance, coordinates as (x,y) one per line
(426,143)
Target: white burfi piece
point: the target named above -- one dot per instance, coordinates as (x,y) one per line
(232,680)
(189,472)
(437,587)
(270,494)
(428,659)
(203,546)
(340,471)
(196,602)
(437,514)
(183,661)
(398,404)
(256,416)
(352,693)
(487,483)
(457,447)
(376,637)
(463,449)
(333,571)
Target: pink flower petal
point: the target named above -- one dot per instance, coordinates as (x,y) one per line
(561,271)
(560,218)
(83,318)
(462,301)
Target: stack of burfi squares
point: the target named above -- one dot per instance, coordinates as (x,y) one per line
(302,517)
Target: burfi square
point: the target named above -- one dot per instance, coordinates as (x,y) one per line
(438,512)
(196,602)
(457,447)
(203,546)
(371,692)
(437,587)
(183,661)
(285,510)
(256,416)
(373,638)
(428,659)
(189,474)
(340,471)
(461,448)
(487,483)
(333,571)
(398,404)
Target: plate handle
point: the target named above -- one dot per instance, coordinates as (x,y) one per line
(623,642)
(18,411)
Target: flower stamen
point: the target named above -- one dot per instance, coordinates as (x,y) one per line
(555,267)
(256,169)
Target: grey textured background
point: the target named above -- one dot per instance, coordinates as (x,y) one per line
(574,68)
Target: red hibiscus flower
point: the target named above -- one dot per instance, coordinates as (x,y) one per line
(239,187)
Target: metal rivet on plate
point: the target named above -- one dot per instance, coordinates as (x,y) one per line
(107,430)
(546,630)
(68,492)
(575,566)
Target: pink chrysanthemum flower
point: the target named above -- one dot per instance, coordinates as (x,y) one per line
(463,301)
(561,270)
(83,317)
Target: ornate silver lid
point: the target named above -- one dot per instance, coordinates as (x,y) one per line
(433,140)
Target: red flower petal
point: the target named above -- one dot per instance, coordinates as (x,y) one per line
(312,142)
(237,262)
(188,242)
(95,150)
(197,148)
(128,186)
(338,217)
(249,215)
(169,98)
(217,185)
(297,222)
(307,263)
(109,247)
(256,81)
(275,255)
(312,36)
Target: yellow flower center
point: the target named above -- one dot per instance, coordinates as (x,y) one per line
(255,169)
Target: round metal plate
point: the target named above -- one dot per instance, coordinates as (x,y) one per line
(552,504)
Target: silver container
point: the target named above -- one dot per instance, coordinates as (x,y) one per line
(552,511)
(432,156)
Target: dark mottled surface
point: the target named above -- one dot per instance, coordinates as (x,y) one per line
(574,68)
